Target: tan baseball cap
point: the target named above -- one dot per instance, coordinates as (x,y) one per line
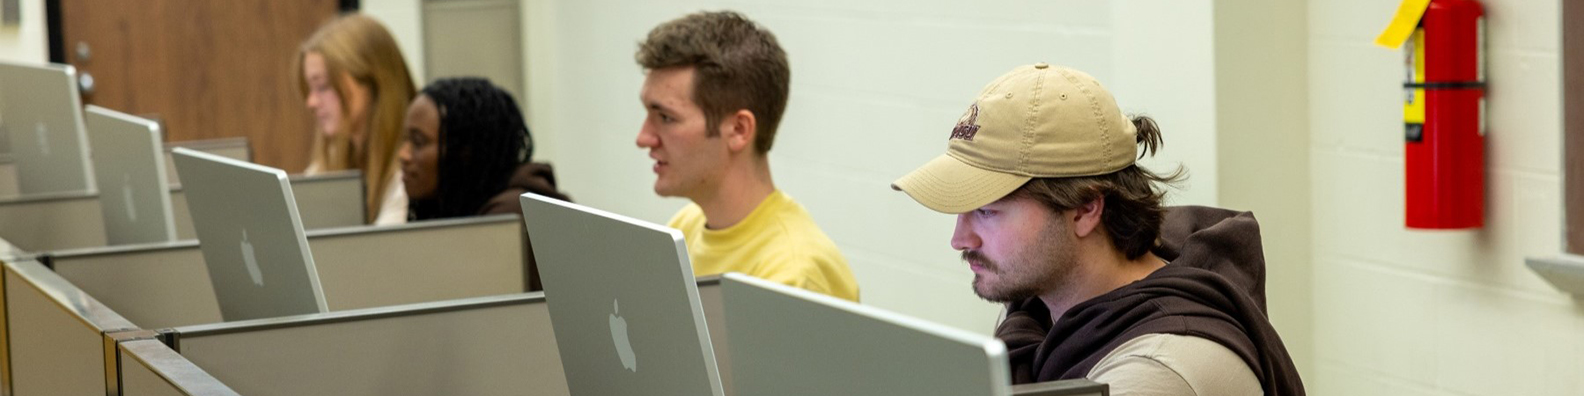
(1036,121)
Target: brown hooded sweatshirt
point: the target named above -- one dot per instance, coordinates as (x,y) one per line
(534,177)
(1213,288)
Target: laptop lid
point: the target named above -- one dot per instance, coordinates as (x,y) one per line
(129,161)
(789,341)
(251,237)
(42,115)
(622,300)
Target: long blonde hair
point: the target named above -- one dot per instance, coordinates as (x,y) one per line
(358,46)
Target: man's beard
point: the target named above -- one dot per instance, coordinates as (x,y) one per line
(1046,266)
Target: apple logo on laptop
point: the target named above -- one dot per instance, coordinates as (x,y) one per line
(126,196)
(618,327)
(42,132)
(250,261)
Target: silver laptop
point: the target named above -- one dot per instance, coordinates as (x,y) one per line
(129,161)
(789,341)
(622,300)
(42,116)
(251,237)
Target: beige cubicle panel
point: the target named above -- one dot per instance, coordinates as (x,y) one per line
(421,262)
(155,285)
(8,252)
(44,223)
(714,313)
(167,285)
(148,367)
(234,148)
(53,333)
(499,345)
(8,181)
(326,200)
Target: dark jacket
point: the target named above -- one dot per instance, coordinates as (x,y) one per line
(534,177)
(1213,288)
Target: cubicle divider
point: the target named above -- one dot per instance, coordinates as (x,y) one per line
(148,367)
(62,341)
(66,342)
(8,176)
(8,252)
(361,267)
(234,148)
(44,223)
(55,334)
(715,320)
(326,200)
(167,285)
(498,345)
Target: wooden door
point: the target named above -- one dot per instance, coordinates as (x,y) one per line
(207,69)
(1573,126)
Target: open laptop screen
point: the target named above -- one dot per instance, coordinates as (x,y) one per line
(623,302)
(42,116)
(130,163)
(788,341)
(251,237)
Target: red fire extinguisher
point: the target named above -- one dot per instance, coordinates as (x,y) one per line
(1445,117)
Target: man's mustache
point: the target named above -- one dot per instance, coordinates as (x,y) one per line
(974,257)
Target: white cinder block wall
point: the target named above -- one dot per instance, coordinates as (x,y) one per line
(26,42)
(1401,312)
(1262,133)
(404,19)
(876,86)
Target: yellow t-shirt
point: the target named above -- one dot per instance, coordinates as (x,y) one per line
(778,241)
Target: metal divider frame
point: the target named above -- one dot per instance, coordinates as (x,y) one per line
(112,342)
(170,337)
(5,337)
(141,358)
(1073,387)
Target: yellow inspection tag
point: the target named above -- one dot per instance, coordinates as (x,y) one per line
(1403,24)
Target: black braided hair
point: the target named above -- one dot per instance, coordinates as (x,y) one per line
(483,140)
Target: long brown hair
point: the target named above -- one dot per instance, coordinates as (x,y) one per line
(360,47)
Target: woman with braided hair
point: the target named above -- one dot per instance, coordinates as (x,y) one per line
(468,153)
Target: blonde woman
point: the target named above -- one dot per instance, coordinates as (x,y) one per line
(356,84)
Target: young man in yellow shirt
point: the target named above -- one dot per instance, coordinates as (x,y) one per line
(715,89)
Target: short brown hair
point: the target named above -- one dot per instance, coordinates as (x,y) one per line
(738,65)
(1133,211)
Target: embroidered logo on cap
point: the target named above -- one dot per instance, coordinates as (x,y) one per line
(968,126)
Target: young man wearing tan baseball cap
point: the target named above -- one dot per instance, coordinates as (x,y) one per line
(1057,221)
(715,88)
